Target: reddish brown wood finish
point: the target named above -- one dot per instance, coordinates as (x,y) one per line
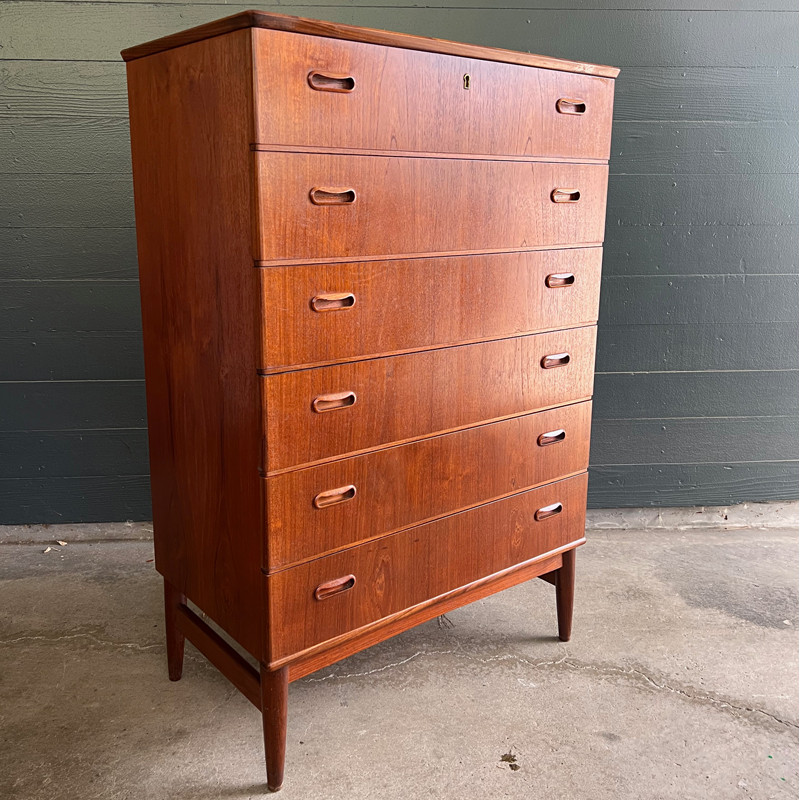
(407,568)
(173,600)
(422,318)
(342,646)
(232,664)
(200,317)
(399,98)
(417,206)
(409,305)
(274,707)
(405,397)
(565,593)
(335,30)
(406,485)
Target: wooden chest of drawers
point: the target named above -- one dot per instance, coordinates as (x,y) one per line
(370,269)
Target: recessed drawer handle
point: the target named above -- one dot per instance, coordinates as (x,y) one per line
(552,437)
(321,196)
(331,83)
(332,402)
(334,301)
(567,105)
(559,280)
(548,511)
(565,195)
(329,589)
(334,496)
(555,360)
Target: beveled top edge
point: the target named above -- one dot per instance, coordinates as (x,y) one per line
(335,30)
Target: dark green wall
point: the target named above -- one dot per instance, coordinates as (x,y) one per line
(697,353)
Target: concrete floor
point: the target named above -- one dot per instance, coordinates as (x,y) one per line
(680,682)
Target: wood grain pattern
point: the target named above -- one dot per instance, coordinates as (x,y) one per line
(402,210)
(406,485)
(408,568)
(333,30)
(419,303)
(200,323)
(329,652)
(399,96)
(409,396)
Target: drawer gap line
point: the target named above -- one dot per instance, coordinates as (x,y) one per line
(355,258)
(377,448)
(425,521)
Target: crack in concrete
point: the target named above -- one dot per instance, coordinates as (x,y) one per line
(104,642)
(607,669)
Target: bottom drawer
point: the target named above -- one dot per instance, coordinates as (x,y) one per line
(330,596)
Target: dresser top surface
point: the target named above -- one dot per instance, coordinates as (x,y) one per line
(335,30)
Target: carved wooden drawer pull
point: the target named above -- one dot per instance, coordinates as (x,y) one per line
(331,83)
(552,437)
(555,360)
(565,195)
(321,196)
(548,511)
(558,280)
(334,496)
(337,586)
(333,402)
(567,105)
(333,301)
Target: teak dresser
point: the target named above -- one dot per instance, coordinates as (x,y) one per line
(370,270)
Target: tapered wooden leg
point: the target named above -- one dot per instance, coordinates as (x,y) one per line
(274,702)
(175,639)
(565,592)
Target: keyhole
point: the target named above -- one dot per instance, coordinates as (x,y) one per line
(466,80)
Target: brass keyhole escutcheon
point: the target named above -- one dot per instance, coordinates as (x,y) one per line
(466,80)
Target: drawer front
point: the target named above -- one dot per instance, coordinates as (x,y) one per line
(315,511)
(327,312)
(325,93)
(321,413)
(330,596)
(329,207)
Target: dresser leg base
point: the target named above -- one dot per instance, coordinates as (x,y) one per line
(173,600)
(565,593)
(274,703)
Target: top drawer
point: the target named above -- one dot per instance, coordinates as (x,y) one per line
(326,93)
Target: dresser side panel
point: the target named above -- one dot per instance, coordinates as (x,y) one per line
(191,127)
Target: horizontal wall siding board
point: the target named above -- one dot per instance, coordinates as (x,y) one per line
(31,501)
(66,454)
(702,200)
(656,300)
(34,145)
(68,253)
(722,346)
(692,484)
(69,306)
(713,94)
(700,250)
(69,89)
(65,89)
(65,201)
(94,355)
(705,148)
(99,145)
(70,405)
(693,441)
(656,395)
(630,37)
